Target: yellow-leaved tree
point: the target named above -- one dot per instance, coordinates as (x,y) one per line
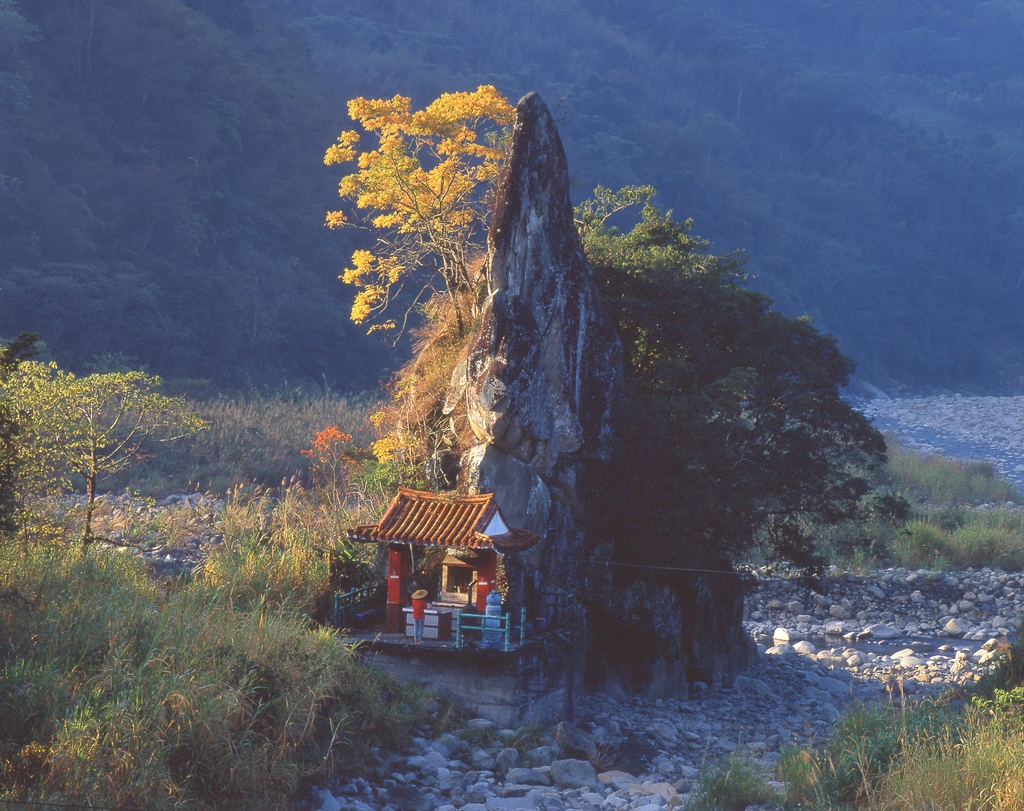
(425,190)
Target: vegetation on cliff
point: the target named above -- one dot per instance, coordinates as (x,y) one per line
(733,433)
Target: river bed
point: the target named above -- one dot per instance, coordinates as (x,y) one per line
(987,429)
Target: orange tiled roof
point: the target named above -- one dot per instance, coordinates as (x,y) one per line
(429,519)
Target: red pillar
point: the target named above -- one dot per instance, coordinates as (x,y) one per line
(486,571)
(398,575)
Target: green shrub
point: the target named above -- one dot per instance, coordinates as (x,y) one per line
(991,538)
(920,543)
(945,481)
(731,785)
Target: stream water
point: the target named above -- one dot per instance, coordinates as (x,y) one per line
(928,439)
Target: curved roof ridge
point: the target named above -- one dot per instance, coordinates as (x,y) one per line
(440,519)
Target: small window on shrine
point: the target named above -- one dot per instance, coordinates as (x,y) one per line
(460,580)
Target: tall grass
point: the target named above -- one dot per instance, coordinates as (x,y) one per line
(866,748)
(927,758)
(957,538)
(937,479)
(253,438)
(935,755)
(978,765)
(214,692)
(732,784)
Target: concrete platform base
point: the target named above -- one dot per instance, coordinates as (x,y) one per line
(532,683)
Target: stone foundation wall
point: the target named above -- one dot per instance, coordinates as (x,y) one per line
(536,683)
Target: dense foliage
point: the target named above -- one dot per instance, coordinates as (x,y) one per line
(732,431)
(90,427)
(865,155)
(161,186)
(11,356)
(161,193)
(426,186)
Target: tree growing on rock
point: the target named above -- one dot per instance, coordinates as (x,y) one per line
(732,432)
(425,190)
(91,427)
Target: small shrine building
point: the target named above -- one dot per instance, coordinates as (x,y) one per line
(469,524)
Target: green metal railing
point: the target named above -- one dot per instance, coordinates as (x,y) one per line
(357,601)
(490,628)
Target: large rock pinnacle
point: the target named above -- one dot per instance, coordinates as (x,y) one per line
(531,405)
(542,373)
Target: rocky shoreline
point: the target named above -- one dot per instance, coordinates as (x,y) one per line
(981,428)
(892,636)
(824,644)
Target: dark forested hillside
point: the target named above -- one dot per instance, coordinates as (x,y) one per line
(867,155)
(162,193)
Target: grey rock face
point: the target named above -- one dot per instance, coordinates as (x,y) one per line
(543,370)
(537,391)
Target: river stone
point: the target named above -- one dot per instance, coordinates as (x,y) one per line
(541,756)
(833,686)
(804,647)
(408,798)
(955,628)
(328,801)
(527,777)
(617,780)
(507,758)
(665,791)
(573,773)
(447,744)
(573,742)
(880,631)
(510,804)
(748,684)
(435,759)
(480,759)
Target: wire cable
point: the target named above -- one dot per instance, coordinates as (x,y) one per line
(41,804)
(659,568)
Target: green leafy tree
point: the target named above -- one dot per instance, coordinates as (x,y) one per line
(426,186)
(732,431)
(11,355)
(92,427)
